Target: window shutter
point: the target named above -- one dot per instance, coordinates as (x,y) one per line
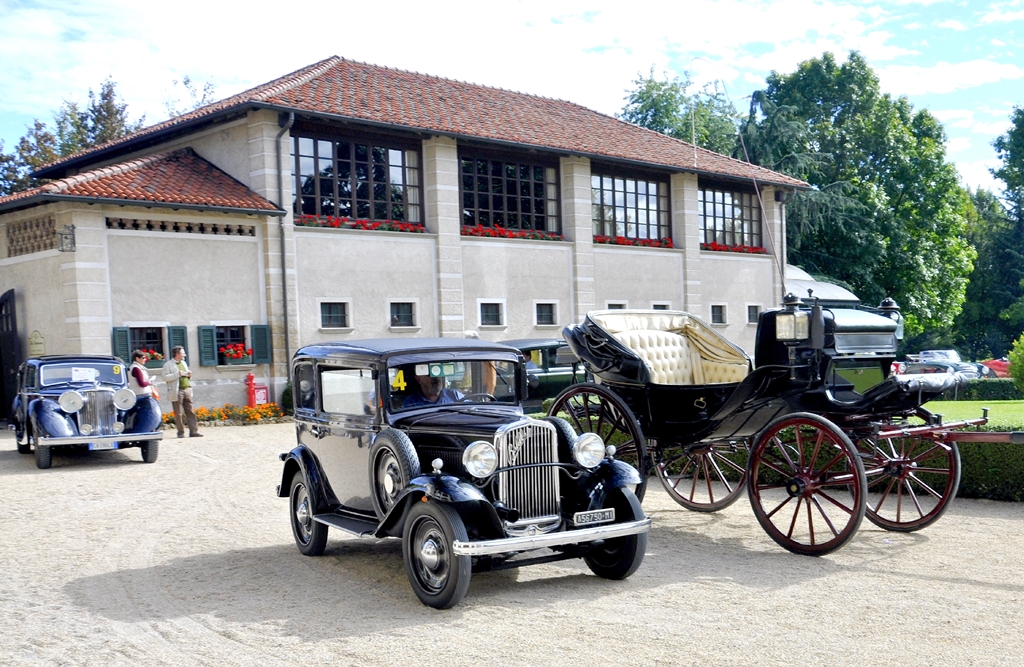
(259,335)
(177,336)
(207,346)
(120,344)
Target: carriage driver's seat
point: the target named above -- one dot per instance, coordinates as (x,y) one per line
(677,348)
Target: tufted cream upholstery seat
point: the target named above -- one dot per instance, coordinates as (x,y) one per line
(678,348)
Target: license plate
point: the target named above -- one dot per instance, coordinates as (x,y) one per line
(596,516)
(102,445)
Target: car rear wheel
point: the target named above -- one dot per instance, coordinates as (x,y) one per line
(25,448)
(150,450)
(619,557)
(310,535)
(439,578)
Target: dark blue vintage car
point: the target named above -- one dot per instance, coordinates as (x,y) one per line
(81,401)
(426,440)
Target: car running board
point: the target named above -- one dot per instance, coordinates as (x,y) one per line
(350,524)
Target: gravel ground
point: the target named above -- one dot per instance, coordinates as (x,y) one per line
(106,560)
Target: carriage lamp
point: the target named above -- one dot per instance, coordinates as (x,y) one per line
(889,308)
(71,401)
(480,458)
(792,326)
(66,239)
(588,450)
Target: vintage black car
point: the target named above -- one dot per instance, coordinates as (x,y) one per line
(425,439)
(81,401)
(547,372)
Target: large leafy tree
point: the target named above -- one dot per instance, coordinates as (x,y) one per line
(1008,241)
(74,128)
(886,214)
(704,116)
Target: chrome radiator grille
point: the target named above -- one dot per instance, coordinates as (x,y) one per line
(533,491)
(99,411)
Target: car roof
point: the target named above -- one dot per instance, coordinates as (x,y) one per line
(52,358)
(523,343)
(378,347)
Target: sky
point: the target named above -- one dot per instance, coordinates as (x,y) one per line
(962,61)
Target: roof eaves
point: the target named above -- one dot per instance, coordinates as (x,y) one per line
(49,197)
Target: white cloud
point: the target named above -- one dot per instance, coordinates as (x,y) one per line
(951,24)
(945,77)
(1002,17)
(958,145)
(976,174)
(998,42)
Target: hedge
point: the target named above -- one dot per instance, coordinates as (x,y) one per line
(994,389)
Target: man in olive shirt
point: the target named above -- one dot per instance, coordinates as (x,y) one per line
(179,388)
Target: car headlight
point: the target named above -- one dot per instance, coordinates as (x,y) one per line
(124,398)
(792,326)
(480,458)
(85,429)
(118,427)
(588,450)
(71,401)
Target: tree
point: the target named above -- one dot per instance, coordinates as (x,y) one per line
(196,96)
(104,119)
(1008,242)
(706,118)
(886,213)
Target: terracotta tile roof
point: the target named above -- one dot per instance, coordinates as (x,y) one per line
(178,178)
(349,89)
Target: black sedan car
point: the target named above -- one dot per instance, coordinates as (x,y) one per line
(547,371)
(426,440)
(81,401)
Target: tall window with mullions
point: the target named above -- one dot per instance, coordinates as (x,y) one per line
(634,208)
(728,217)
(509,194)
(357,179)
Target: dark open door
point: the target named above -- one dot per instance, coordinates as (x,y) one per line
(10,354)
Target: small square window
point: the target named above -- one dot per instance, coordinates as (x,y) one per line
(333,315)
(490,315)
(230,335)
(659,306)
(616,305)
(545,314)
(718,314)
(403,314)
(752,314)
(149,339)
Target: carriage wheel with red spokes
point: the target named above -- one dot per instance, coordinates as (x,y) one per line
(806,484)
(911,480)
(704,477)
(591,408)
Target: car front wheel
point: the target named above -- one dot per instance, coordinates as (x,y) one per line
(43,456)
(310,535)
(150,450)
(439,578)
(619,557)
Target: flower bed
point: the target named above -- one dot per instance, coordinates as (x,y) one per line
(623,240)
(153,358)
(234,414)
(235,353)
(332,222)
(502,233)
(721,247)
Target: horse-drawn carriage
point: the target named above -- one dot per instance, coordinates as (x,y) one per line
(818,431)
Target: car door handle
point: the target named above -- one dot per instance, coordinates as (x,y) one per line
(317,431)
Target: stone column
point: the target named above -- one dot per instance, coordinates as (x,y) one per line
(686,235)
(85,283)
(443,217)
(773,230)
(578,228)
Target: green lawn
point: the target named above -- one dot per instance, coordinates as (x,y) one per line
(1007,415)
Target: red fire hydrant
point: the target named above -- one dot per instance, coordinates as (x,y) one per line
(250,389)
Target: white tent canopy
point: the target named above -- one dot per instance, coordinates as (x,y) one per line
(799,281)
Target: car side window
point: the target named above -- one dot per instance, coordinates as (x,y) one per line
(348,391)
(303,387)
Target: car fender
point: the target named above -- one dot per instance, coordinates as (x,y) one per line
(611,474)
(48,420)
(473,507)
(302,459)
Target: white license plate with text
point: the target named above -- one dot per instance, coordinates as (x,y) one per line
(102,445)
(593,517)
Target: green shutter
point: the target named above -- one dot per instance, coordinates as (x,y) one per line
(176,336)
(120,344)
(259,335)
(207,346)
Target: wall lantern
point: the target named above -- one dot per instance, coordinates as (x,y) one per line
(66,239)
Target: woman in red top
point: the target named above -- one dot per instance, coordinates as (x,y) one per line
(138,377)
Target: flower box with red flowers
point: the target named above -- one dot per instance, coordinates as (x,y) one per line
(623,240)
(235,353)
(503,233)
(344,222)
(746,249)
(153,359)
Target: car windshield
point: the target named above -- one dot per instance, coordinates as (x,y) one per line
(106,372)
(940,355)
(428,383)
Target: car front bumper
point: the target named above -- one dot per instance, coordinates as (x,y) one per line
(104,439)
(576,536)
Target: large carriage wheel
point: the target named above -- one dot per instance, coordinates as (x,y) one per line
(911,480)
(704,477)
(806,484)
(591,408)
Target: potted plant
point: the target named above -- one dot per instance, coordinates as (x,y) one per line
(153,358)
(235,353)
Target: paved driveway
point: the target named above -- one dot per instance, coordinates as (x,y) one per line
(105,560)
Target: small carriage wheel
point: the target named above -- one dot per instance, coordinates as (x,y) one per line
(911,480)
(806,484)
(591,408)
(704,477)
